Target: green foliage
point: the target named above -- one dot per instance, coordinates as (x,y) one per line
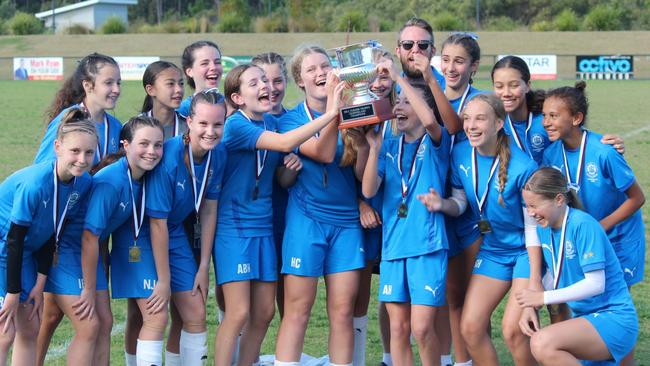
(352,21)
(23,23)
(274,24)
(78,29)
(113,25)
(234,23)
(501,24)
(7,9)
(542,26)
(602,18)
(566,21)
(447,21)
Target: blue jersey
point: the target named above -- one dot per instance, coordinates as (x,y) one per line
(112,204)
(280,195)
(420,232)
(507,221)
(27,199)
(178,127)
(108,132)
(586,249)
(184,108)
(605,173)
(169,186)
(323,192)
(245,207)
(529,135)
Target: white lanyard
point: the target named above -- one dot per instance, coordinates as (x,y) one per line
(316,135)
(493,168)
(106,135)
(176,123)
(260,155)
(58,221)
(137,221)
(575,185)
(463,99)
(399,164)
(198,197)
(557,266)
(521,143)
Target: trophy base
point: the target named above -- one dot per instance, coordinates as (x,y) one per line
(365,114)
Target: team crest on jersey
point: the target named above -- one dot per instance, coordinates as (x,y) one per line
(569,250)
(74,197)
(592,171)
(537,141)
(421,151)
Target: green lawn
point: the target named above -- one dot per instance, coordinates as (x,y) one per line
(616,107)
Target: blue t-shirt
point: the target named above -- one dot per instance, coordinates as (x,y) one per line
(605,173)
(586,249)
(112,205)
(507,221)
(280,195)
(533,136)
(420,232)
(184,108)
(239,213)
(178,127)
(333,203)
(27,199)
(169,186)
(46,149)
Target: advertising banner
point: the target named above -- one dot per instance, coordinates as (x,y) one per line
(617,67)
(38,68)
(542,67)
(132,68)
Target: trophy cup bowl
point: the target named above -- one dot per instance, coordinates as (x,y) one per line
(358,70)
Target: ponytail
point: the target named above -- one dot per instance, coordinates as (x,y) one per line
(503,152)
(549,182)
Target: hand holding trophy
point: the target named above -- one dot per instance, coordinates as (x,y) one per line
(357,70)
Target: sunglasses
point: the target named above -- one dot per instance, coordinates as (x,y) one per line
(422,45)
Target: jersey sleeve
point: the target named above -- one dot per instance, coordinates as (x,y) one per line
(591,241)
(218,167)
(240,134)
(160,192)
(442,153)
(46,149)
(103,199)
(26,201)
(381,161)
(618,170)
(455,180)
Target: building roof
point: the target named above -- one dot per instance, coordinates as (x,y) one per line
(83,4)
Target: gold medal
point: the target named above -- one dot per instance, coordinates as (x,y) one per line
(55,258)
(402,211)
(134,254)
(484,226)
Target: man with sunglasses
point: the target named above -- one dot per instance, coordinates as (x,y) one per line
(416,40)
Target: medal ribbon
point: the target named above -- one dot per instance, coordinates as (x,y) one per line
(260,155)
(399,164)
(316,135)
(493,168)
(58,221)
(521,143)
(176,123)
(463,99)
(557,266)
(137,221)
(106,135)
(198,198)
(581,161)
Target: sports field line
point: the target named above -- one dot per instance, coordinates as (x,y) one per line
(635,132)
(60,351)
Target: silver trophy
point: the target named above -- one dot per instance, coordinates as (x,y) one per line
(358,70)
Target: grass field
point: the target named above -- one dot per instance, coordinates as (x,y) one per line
(616,107)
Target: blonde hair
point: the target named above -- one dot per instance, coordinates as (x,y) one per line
(299,55)
(548,183)
(76,120)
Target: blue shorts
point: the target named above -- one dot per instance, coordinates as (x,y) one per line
(502,267)
(417,280)
(372,244)
(66,277)
(132,279)
(245,259)
(182,266)
(27,278)
(462,232)
(619,330)
(631,256)
(311,248)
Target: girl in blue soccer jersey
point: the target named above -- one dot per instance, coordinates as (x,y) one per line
(201,63)
(322,235)
(182,194)
(163,83)
(511,81)
(490,173)
(460,57)
(34,203)
(412,282)
(117,201)
(94,86)
(244,247)
(595,170)
(585,274)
